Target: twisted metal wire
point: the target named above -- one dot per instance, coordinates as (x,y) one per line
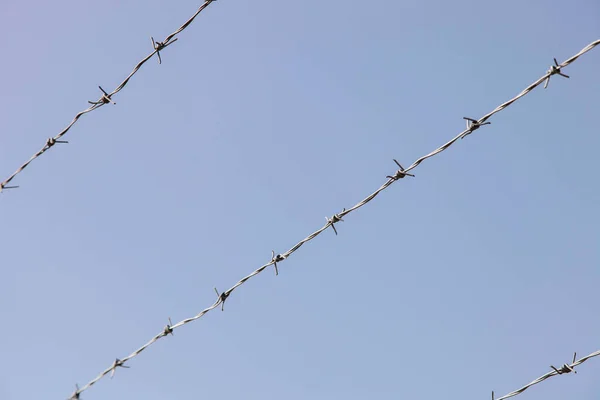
(565,369)
(472,125)
(106,97)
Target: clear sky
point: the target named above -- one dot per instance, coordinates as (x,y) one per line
(264,118)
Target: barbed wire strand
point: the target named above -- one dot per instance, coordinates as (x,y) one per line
(106,97)
(565,369)
(472,125)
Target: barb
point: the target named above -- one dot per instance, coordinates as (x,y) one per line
(104,99)
(107,97)
(221,297)
(565,369)
(75,394)
(158,46)
(2,187)
(168,329)
(333,220)
(401,173)
(554,69)
(472,124)
(116,364)
(275,259)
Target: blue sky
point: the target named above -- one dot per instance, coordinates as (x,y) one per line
(264,118)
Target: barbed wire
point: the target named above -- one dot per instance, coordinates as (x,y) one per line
(472,125)
(106,97)
(565,369)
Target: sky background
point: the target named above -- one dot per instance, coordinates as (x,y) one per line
(264,118)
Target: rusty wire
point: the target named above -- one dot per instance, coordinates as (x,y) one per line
(106,98)
(472,125)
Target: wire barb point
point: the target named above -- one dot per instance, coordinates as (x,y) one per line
(554,70)
(76,393)
(400,173)
(158,46)
(473,125)
(105,99)
(335,219)
(116,364)
(566,368)
(52,141)
(275,259)
(168,329)
(221,298)
(3,186)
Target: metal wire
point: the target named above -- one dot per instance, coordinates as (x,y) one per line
(472,125)
(565,369)
(106,97)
